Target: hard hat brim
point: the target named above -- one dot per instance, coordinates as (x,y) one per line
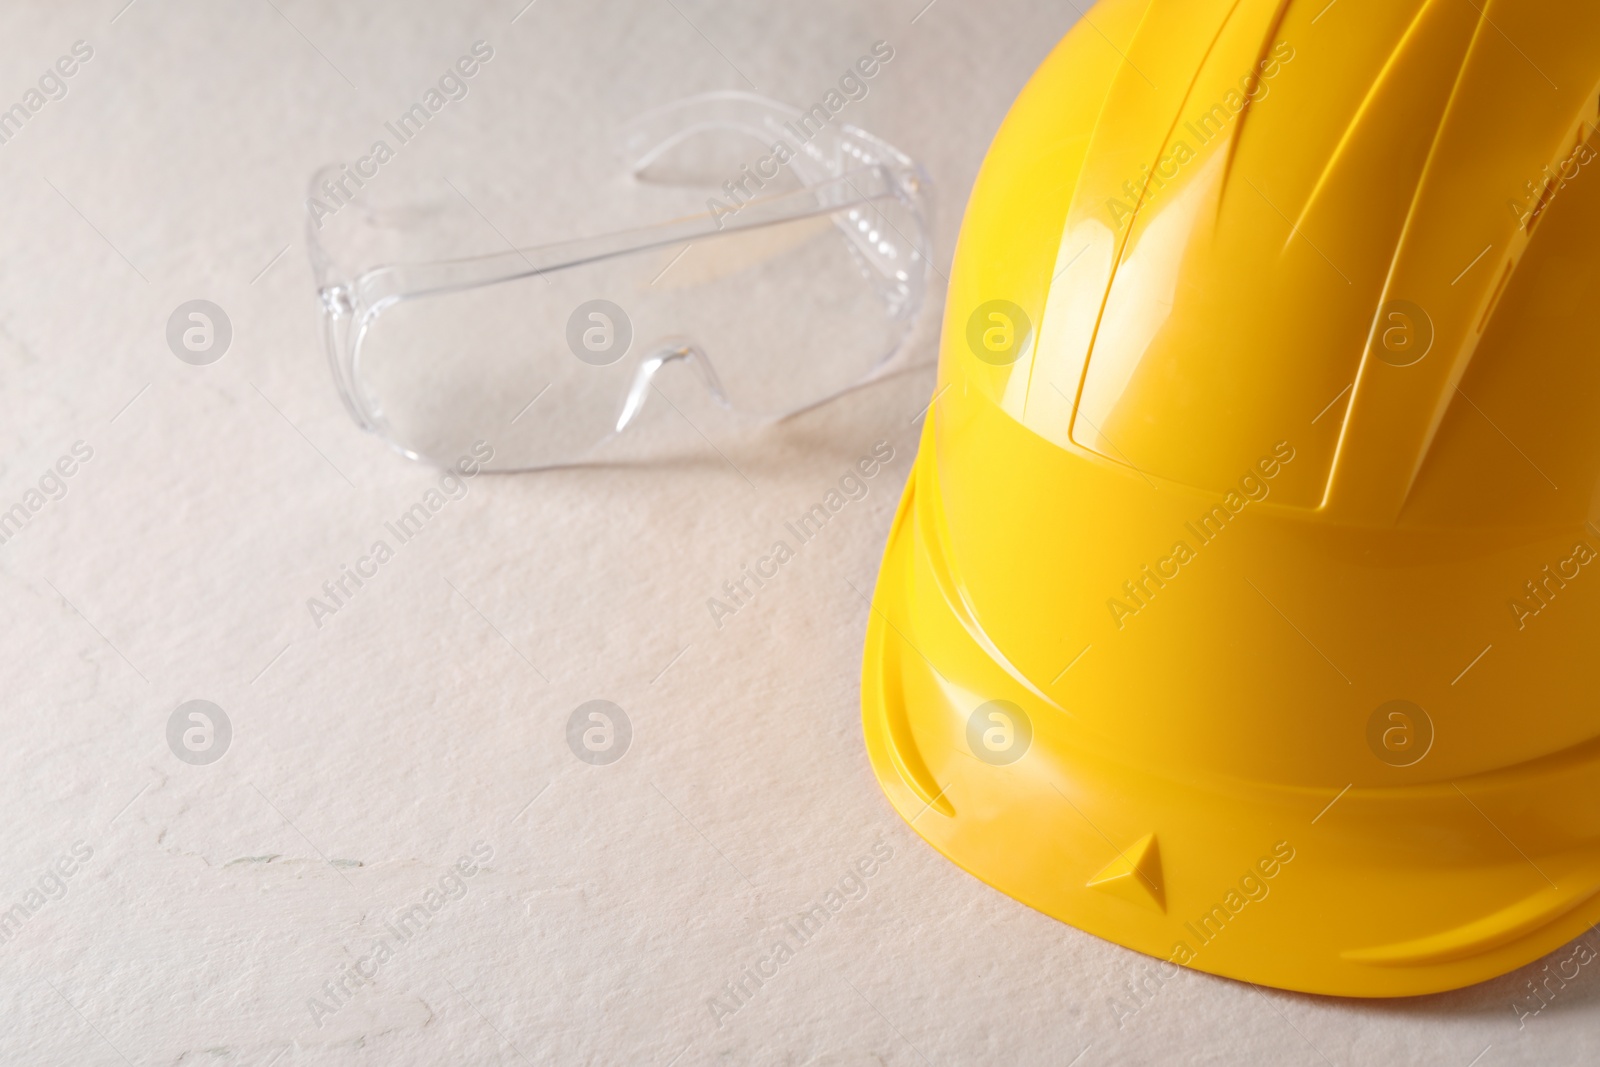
(1244,880)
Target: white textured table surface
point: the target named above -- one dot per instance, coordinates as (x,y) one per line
(212,912)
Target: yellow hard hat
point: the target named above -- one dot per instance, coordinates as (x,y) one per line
(1243,605)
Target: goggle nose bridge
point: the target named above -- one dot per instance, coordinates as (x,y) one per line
(665,351)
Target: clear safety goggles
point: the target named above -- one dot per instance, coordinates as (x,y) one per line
(794,272)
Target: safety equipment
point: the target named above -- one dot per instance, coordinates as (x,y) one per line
(1242,607)
(792,273)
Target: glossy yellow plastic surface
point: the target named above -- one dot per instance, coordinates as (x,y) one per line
(1243,607)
